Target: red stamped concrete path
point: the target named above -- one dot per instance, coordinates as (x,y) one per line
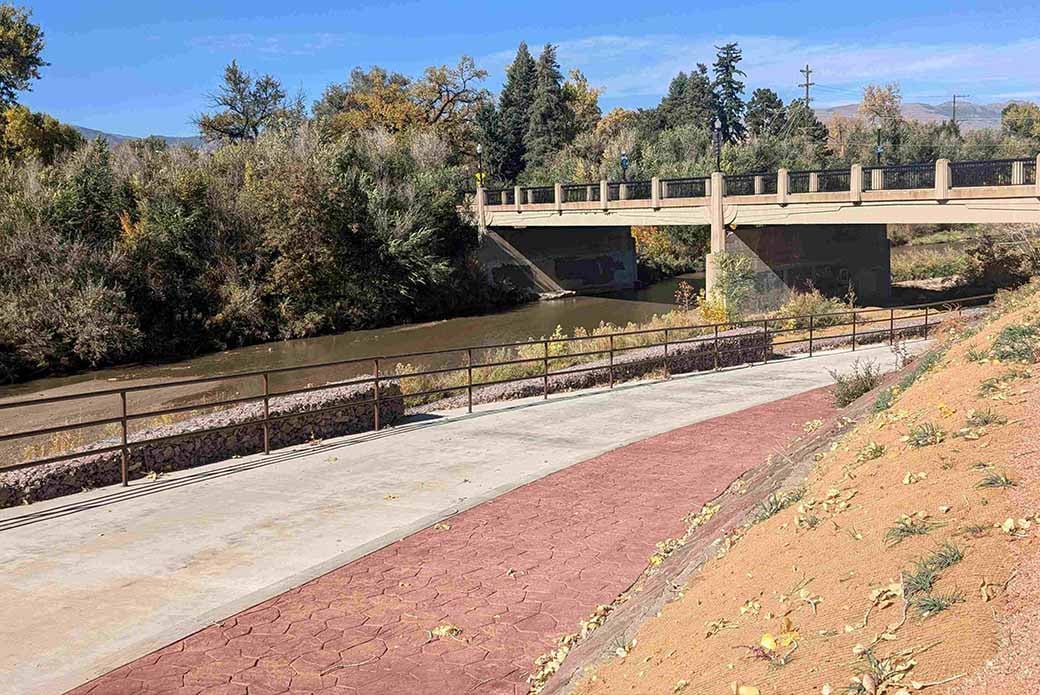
(515,574)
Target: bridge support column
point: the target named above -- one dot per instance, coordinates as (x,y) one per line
(831,258)
(718,228)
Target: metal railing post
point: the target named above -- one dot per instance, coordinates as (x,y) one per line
(469,379)
(267,414)
(375,375)
(891,326)
(853,330)
(716,347)
(765,341)
(667,369)
(611,360)
(811,317)
(545,371)
(124,464)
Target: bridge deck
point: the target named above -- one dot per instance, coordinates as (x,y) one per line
(999,191)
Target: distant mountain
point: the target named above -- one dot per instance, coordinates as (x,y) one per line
(113,139)
(969,116)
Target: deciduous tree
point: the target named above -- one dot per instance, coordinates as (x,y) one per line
(246,106)
(21,43)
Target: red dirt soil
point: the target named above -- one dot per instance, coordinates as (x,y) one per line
(513,574)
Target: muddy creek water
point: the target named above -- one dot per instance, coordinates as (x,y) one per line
(520,323)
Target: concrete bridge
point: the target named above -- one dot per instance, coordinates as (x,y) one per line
(826,226)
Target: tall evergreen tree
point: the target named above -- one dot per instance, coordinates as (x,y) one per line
(514,113)
(490,135)
(551,117)
(729,92)
(690,100)
(764,113)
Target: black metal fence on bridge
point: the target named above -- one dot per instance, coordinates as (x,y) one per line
(897,177)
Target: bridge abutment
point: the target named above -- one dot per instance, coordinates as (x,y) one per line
(832,258)
(585,260)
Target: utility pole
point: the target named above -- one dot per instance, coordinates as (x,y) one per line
(807,72)
(953,119)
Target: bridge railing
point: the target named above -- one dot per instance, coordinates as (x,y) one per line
(899,177)
(580,192)
(540,367)
(499,196)
(740,184)
(998,172)
(695,187)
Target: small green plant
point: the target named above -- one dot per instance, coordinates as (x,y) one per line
(776,503)
(936,603)
(1019,343)
(872,450)
(906,527)
(853,384)
(922,365)
(976,355)
(925,434)
(996,480)
(997,384)
(884,400)
(919,581)
(946,556)
(981,418)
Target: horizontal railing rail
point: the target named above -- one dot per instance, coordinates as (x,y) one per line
(537,356)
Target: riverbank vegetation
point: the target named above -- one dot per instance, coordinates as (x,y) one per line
(297,220)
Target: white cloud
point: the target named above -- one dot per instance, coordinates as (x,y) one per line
(275,44)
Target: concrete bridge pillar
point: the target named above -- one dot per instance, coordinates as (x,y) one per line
(718,228)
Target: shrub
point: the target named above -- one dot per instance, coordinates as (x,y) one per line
(1020,343)
(922,265)
(734,282)
(925,434)
(827,311)
(853,384)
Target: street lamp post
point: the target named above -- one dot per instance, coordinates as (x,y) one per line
(878,149)
(718,144)
(480,165)
(624,166)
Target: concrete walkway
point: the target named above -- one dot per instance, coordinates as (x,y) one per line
(93,581)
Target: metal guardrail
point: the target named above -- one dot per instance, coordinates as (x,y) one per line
(539,366)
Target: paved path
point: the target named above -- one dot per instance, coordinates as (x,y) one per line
(94,581)
(513,574)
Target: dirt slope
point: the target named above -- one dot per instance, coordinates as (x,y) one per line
(836,593)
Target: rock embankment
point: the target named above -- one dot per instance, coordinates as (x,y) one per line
(235,431)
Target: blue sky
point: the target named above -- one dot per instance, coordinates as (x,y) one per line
(143,66)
